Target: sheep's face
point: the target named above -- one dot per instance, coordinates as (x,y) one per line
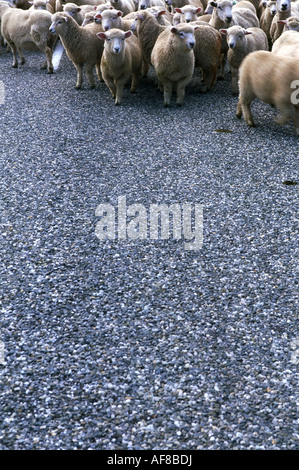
(110,19)
(234,35)
(114,40)
(59,23)
(188,13)
(143,4)
(185,35)
(224,10)
(283,5)
(272,7)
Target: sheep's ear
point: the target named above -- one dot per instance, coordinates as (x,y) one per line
(213,4)
(161,12)
(98,16)
(101,35)
(198,10)
(281,21)
(174,30)
(119,13)
(247,32)
(94,7)
(223,31)
(128,33)
(178,10)
(65,18)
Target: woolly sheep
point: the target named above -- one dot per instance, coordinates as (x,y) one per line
(75,11)
(144,4)
(173,60)
(241,42)
(180,3)
(287,44)
(4,5)
(112,19)
(282,13)
(188,13)
(267,18)
(81,44)
(163,17)
(290,24)
(126,6)
(270,78)
(226,13)
(23,4)
(28,30)
(121,61)
(59,3)
(147,30)
(41,5)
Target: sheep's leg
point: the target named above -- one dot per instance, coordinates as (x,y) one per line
(120,84)
(14,54)
(99,73)
(167,93)
(239,111)
(245,104)
(209,79)
(135,81)
(180,90)
(79,68)
(145,68)
(48,63)
(90,75)
(110,84)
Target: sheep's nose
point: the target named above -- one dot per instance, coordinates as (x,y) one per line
(106,28)
(188,21)
(228,19)
(191,44)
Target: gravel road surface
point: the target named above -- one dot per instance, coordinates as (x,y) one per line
(142,343)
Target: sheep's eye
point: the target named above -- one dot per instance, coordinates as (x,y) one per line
(182,35)
(220,8)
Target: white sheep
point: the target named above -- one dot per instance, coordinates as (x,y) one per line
(4,5)
(287,44)
(75,11)
(121,61)
(188,13)
(226,13)
(81,44)
(270,78)
(240,43)
(126,6)
(28,30)
(144,4)
(290,24)
(267,18)
(113,19)
(41,5)
(283,12)
(173,60)
(147,29)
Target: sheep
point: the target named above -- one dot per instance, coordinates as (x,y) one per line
(267,18)
(163,17)
(126,6)
(287,44)
(226,13)
(59,3)
(270,78)
(144,4)
(173,60)
(22,4)
(81,44)
(188,13)
(240,43)
(121,61)
(180,3)
(147,30)
(290,24)
(283,12)
(28,30)
(4,5)
(112,19)
(41,5)
(76,12)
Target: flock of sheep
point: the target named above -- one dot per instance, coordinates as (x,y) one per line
(121,39)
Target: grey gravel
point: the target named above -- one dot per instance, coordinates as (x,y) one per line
(142,344)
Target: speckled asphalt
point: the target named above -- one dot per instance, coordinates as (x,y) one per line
(141,343)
